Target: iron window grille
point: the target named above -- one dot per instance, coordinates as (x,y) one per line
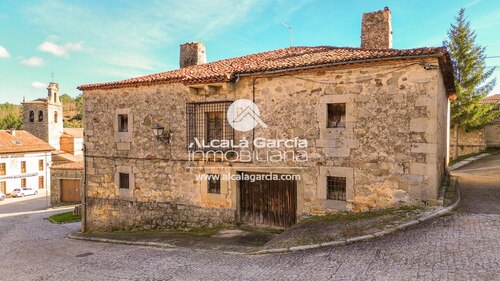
(122,123)
(336,115)
(207,121)
(213,183)
(336,188)
(124,180)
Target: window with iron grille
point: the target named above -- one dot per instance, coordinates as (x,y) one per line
(207,121)
(122,123)
(23,166)
(124,180)
(336,188)
(213,183)
(2,169)
(41,182)
(336,115)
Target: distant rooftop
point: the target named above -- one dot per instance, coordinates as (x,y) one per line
(14,141)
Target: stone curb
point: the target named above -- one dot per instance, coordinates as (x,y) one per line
(381,233)
(342,242)
(467,161)
(124,242)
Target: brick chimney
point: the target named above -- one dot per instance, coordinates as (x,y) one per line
(376,30)
(192,53)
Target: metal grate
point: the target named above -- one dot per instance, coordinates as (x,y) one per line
(336,187)
(207,121)
(213,183)
(336,115)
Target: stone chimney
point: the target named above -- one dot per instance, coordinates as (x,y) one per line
(376,30)
(192,53)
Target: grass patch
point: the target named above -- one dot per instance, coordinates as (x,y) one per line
(65,218)
(346,216)
(465,156)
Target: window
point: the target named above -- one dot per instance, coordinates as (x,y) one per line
(207,121)
(336,115)
(55,116)
(3,187)
(23,182)
(336,188)
(40,165)
(2,169)
(23,166)
(41,182)
(55,98)
(122,123)
(124,181)
(32,116)
(40,116)
(214,123)
(213,183)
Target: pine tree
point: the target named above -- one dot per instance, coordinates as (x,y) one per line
(471,79)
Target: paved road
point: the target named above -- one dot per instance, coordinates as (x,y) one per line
(464,246)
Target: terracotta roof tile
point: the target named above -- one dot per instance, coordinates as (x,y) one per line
(21,141)
(226,70)
(492,99)
(69,166)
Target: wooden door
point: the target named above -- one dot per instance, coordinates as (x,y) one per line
(268,202)
(70,190)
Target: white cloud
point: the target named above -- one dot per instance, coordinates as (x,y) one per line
(4,53)
(60,50)
(134,33)
(33,61)
(39,85)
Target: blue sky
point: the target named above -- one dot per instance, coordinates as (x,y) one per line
(95,41)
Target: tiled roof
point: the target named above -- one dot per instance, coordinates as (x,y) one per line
(281,59)
(21,141)
(492,99)
(73,132)
(68,166)
(40,100)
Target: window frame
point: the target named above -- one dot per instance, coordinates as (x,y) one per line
(121,182)
(197,118)
(122,120)
(333,184)
(41,182)
(342,115)
(31,116)
(23,182)
(40,116)
(3,169)
(213,184)
(41,164)
(23,166)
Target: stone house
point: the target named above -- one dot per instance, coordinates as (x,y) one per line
(43,118)
(481,139)
(24,161)
(347,129)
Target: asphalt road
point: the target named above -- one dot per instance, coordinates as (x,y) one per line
(462,246)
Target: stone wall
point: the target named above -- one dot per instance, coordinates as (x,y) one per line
(492,134)
(391,149)
(468,142)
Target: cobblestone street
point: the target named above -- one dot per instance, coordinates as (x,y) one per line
(461,246)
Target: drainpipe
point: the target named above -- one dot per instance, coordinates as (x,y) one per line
(84,203)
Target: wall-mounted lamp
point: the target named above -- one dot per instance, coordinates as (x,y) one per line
(160,134)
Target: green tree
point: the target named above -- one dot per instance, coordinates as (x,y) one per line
(10,117)
(471,79)
(65,99)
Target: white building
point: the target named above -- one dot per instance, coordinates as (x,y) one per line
(24,161)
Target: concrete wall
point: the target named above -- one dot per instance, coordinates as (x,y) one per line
(391,149)
(13,169)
